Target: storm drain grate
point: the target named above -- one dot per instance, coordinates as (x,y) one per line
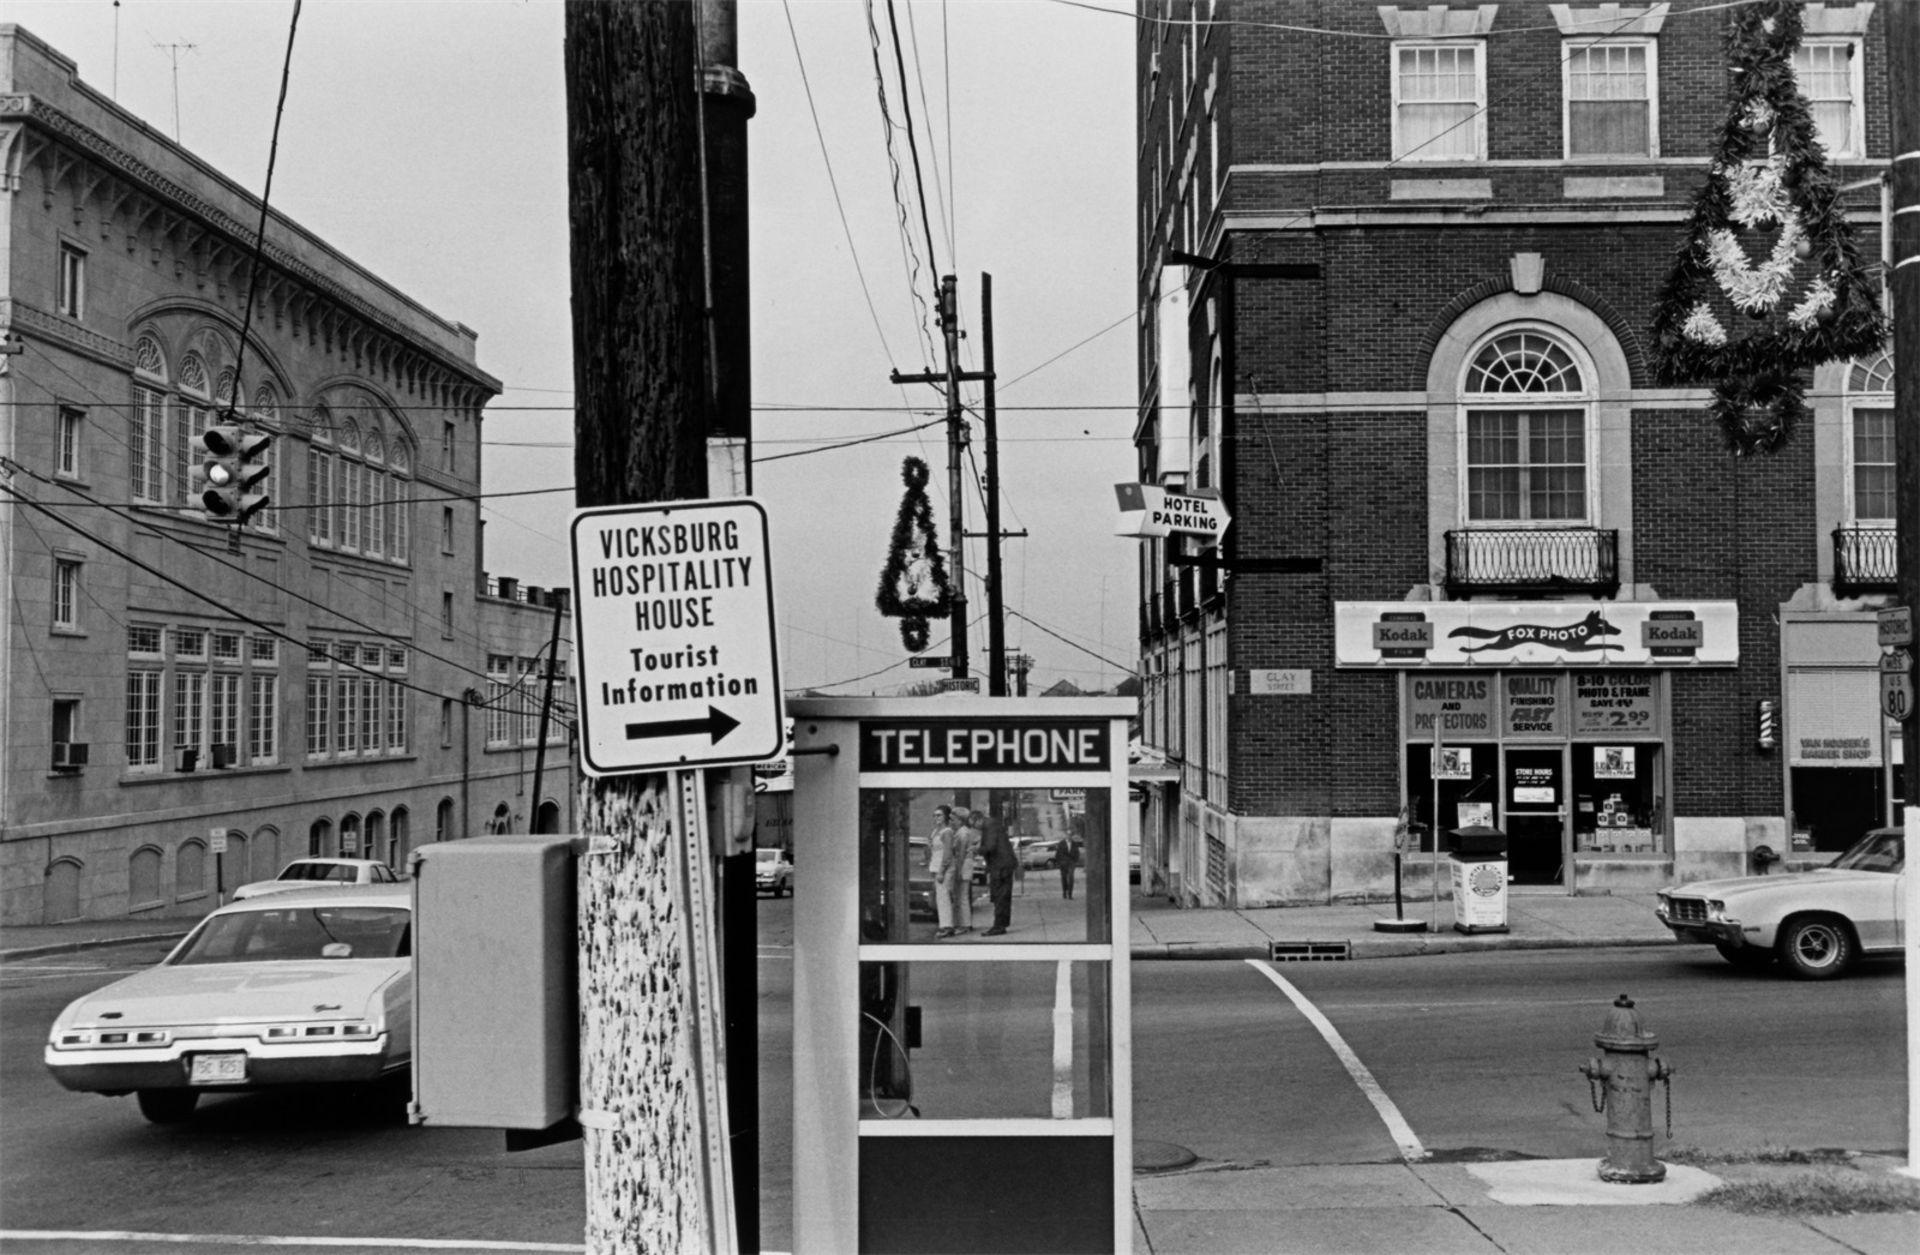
(1308,951)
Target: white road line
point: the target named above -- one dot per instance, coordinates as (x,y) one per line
(1403,1137)
(266,1239)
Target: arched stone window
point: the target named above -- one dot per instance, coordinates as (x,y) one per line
(443,820)
(1526,432)
(377,837)
(265,860)
(147,422)
(60,894)
(1869,442)
(401,825)
(190,869)
(143,879)
(320,839)
(194,416)
(350,837)
(352,487)
(322,485)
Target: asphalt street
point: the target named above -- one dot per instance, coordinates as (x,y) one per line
(1475,1053)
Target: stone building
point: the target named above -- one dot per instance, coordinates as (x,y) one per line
(1397,267)
(338,676)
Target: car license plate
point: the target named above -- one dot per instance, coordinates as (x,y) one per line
(218,1069)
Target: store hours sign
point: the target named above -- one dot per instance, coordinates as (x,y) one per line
(673,633)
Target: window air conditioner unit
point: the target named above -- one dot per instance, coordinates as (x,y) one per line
(69,755)
(223,756)
(189,759)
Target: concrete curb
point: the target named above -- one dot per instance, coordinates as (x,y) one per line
(91,943)
(1393,948)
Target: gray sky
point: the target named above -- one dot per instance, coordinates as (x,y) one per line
(426,140)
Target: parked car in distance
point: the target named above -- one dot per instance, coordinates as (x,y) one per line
(320,873)
(1816,923)
(773,872)
(1037,853)
(291,988)
(1133,862)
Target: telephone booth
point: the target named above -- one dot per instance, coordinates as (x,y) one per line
(957,1087)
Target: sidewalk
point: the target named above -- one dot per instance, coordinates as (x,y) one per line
(1536,921)
(25,941)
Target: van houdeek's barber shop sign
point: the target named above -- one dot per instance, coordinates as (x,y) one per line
(984,745)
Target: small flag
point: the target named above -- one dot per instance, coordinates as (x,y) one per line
(1131,496)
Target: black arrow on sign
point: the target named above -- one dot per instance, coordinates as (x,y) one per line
(716,724)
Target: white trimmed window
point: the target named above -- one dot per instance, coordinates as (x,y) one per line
(319,701)
(146,441)
(1828,73)
(66,595)
(500,723)
(143,718)
(1870,457)
(1527,414)
(194,416)
(263,723)
(70,301)
(1440,101)
(66,454)
(1612,103)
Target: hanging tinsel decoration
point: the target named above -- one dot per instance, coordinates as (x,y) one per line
(1768,239)
(914,586)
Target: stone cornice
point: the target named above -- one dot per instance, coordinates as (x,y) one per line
(39,324)
(38,113)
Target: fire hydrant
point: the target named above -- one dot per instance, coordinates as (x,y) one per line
(1626,1071)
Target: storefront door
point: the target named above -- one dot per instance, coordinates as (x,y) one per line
(1535,799)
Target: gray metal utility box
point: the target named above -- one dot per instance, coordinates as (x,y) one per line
(496,1015)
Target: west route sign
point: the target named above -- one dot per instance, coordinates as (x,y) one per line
(1150,510)
(673,637)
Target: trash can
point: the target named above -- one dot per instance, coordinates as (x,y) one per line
(1478,859)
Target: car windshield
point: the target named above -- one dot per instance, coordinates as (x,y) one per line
(299,933)
(1875,852)
(318,871)
(767,856)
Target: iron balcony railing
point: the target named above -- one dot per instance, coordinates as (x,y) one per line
(1864,559)
(1533,560)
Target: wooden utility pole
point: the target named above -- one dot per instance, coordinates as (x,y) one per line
(640,385)
(1903,278)
(996,592)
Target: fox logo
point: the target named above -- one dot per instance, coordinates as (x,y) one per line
(1583,635)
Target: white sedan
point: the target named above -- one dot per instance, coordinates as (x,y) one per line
(318,873)
(1815,922)
(287,989)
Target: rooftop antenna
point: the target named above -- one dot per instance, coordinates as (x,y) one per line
(175,50)
(116,50)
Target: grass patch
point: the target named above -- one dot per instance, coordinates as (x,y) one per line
(1825,1193)
(1703,1157)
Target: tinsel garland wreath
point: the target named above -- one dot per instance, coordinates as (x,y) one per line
(1767,282)
(914,585)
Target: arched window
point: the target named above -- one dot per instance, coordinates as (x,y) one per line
(195,416)
(147,422)
(376,494)
(401,825)
(321,489)
(320,839)
(400,526)
(143,879)
(190,869)
(350,836)
(60,895)
(236,869)
(1526,431)
(1870,460)
(265,411)
(265,860)
(353,491)
(377,837)
(443,820)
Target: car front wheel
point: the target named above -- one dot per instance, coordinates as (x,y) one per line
(1818,948)
(167,1106)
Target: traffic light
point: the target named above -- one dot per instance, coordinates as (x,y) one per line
(230,471)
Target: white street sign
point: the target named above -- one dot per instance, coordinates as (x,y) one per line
(1150,510)
(1896,625)
(216,840)
(673,635)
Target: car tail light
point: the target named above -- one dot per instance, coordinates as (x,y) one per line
(118,1037)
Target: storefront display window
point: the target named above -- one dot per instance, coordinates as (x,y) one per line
(1617,799)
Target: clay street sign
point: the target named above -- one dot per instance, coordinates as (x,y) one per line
(673,637)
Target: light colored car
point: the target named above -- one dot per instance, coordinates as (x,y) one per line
(1815,922)
(772,872)
(287,989)
(319,873)
(1038,853)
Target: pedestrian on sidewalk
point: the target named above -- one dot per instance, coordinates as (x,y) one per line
(997,849)
(940,863)
(966,844)
(1066,856)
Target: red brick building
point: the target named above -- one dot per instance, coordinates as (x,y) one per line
(1397,269)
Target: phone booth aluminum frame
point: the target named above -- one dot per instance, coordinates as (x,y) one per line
(1052,996)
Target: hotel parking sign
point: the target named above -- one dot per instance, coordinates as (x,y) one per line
(673,633)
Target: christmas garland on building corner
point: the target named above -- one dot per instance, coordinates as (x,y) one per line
(1768,240)
(914,584)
